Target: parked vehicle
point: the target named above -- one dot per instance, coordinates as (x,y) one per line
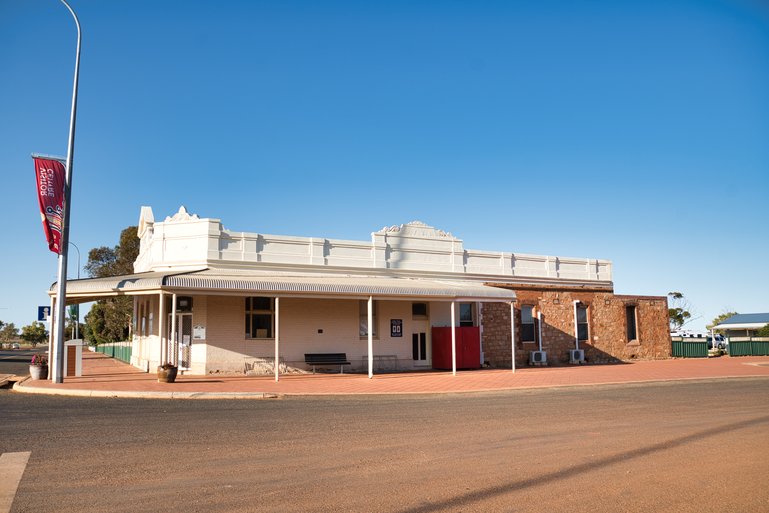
(15,345)
(720,342)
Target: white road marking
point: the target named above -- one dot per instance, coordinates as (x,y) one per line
(12,465)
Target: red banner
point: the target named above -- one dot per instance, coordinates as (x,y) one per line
(50,194)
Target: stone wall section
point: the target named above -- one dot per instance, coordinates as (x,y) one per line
(607,324)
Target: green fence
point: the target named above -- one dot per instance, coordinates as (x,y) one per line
(117,350)
(690,348)
(749,347)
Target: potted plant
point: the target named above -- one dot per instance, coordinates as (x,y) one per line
(167,373)
(38,367)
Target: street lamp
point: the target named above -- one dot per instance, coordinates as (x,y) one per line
(61,285)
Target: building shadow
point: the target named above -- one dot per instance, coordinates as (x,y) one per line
(622,457)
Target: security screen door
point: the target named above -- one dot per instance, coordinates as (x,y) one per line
(180,346)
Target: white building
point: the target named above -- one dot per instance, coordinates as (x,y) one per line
(235,300)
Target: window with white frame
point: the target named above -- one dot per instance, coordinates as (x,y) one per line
(528,327)
(363,318)
(466,314)
(260,316)
(142,320)
(583,332)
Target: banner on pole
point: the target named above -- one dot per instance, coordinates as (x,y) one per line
(50,194)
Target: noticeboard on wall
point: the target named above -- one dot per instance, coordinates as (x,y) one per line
(199,332)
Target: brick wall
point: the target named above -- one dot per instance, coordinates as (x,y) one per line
(607,325)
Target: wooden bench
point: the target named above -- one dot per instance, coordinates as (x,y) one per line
(321,359)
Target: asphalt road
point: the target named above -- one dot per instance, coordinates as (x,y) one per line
(17,361)
(675,447)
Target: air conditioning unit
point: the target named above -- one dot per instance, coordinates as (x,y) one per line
(576,356)
(538,358)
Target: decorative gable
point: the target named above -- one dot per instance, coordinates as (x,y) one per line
(416,229)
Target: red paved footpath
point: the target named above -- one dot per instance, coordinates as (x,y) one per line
(104,376)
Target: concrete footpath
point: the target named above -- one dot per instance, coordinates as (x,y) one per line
(107,377)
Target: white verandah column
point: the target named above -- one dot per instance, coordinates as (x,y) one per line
(169,356)
(512,332)
(161,328)
(131,331)
(277,338)
(453,339)
(50,338)
(370,337)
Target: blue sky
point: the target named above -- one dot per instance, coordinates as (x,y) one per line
(634,131)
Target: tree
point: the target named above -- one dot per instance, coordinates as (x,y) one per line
(678,311)
(763,332)
(109,320)
(104,261)
(722,317)
(8,332)
(35,333)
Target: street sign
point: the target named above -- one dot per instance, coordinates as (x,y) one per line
(43,313)
(396,327)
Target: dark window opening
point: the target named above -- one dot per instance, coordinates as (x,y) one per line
(418,310)
(632,333)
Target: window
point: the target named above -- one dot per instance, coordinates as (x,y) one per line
(528,330)
(582,327)
(632,333)
(260,312)
(466,314)
(363,318)
(141,319)
(419,310)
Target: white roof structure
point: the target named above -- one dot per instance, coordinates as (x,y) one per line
(285,284)
(749,321)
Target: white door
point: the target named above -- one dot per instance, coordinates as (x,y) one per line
(420,344)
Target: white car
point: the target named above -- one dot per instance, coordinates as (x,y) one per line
(15,345)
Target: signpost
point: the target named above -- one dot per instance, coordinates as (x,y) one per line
(43,313)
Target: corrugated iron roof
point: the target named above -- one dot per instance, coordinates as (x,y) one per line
(288,284)
(747,318)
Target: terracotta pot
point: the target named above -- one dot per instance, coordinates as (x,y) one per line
(167,375)
(38,371)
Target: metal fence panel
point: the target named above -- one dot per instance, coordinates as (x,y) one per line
(740,348)
(690,349)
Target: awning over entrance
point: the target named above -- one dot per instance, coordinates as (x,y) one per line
(285,284)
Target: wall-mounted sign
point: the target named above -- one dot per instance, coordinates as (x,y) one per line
(198,332)
(396,327)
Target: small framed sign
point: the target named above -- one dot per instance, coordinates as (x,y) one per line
(199,332)
(396,327)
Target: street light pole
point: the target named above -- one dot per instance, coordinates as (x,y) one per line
(61,285)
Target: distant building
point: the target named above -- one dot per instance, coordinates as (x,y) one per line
(235,300)
(743,325)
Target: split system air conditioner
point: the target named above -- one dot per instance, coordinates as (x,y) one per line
(538,358)
(576,356)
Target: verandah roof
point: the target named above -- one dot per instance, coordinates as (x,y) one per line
(287,284)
